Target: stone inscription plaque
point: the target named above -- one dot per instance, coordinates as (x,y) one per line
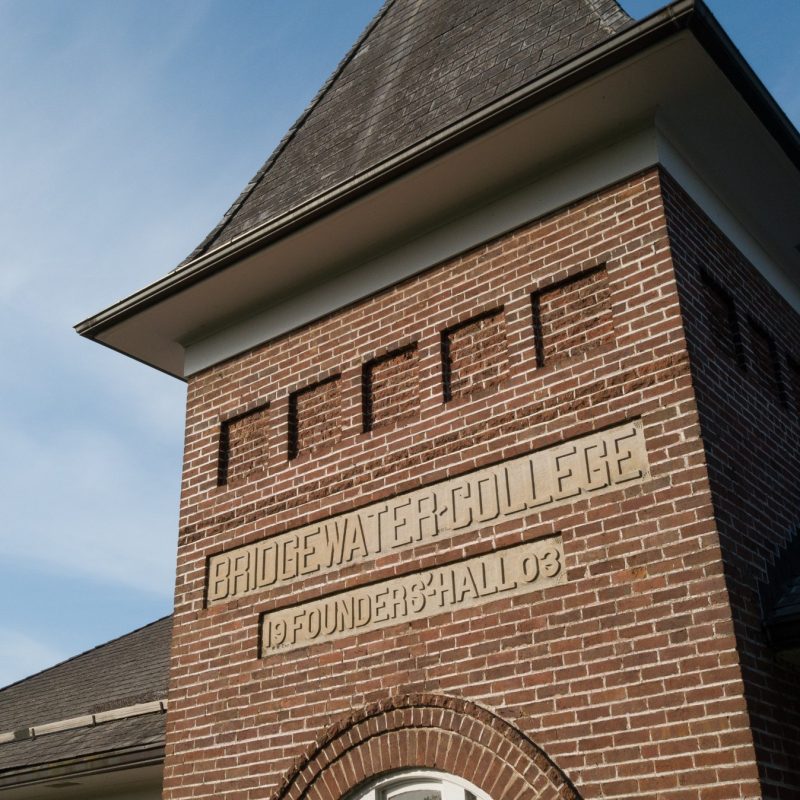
(538,481)
(517,570)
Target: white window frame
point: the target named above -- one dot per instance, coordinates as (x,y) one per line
(389,786)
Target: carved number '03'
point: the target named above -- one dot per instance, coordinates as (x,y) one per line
(464,584)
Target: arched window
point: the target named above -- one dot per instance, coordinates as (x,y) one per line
(422,784)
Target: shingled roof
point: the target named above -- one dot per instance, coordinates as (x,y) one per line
(106,699)
(419,67)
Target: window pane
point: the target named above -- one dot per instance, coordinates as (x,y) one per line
(418,784)
(418,794)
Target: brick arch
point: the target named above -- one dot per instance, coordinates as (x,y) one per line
(426,731)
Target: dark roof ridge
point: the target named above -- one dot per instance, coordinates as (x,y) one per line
(287,137)
(610,18)
(85,652)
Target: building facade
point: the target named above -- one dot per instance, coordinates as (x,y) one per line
(491,483)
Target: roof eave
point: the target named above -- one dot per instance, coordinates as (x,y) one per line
(723,51)
(146,755)
(670,20)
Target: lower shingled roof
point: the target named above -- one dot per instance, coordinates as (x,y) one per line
(106,701)
(137,733)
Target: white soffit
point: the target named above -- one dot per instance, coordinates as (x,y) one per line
(576,143)
(522,205)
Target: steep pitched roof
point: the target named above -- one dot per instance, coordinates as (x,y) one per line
(129,671)
(420,66)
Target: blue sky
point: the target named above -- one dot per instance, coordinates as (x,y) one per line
(127,129)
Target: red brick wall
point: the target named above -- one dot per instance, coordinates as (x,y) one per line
(243,445)
(793,367)
(314,417)
(474,355)
(750,416)
(626,676)
(391,388)
(573,317)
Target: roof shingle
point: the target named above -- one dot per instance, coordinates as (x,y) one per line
(126,671)
(137,732)
(420,66)
(123,672)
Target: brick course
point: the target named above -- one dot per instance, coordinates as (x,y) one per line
(753,463)
(426,731)
(626,677)
(721,319)
(243,445)
(314,416)
(793,368)
(391,388)
(572,317)
(474,355)
(764,361)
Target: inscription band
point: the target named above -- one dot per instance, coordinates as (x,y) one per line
(464,584)
(538,481)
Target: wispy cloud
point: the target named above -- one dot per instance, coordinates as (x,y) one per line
(101,515)
(128,128)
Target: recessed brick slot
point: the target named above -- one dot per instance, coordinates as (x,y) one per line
(314,416)
(766,364)
(243,445)
(794,379)
(572,317)
(391,388)
(723,322)
(474,355)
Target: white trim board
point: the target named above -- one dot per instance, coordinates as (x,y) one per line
(591,173)
(546,194)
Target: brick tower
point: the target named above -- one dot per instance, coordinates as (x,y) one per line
(492,482)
